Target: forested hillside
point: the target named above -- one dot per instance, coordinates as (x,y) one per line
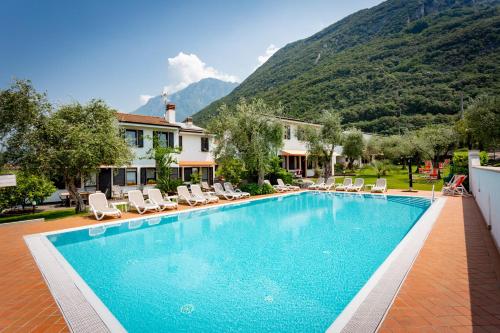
(401,64)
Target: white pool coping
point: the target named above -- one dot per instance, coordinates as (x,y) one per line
(85,312)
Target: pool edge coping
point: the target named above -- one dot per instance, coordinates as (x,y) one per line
(99,311)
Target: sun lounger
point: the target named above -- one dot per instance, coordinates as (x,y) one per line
(330,182)
(196,190)
(345,185)
(277,188)
(100,207)
(357,186)
(319,182)
(221,193)
(136,201)
(229,188)
(380,186)
(189,198)
(457,187)
(155,195)
(282,184)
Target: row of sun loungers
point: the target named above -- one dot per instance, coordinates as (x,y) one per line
(281,186)
(347,185)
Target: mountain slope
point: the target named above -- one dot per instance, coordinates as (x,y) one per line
(190,99)
(401,63)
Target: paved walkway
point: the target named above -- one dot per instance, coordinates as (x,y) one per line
(454,284)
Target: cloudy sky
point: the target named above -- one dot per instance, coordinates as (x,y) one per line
(126,51)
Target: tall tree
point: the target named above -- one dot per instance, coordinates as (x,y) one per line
(248,132)
(73,142)
(482,122)
(321,142)
(353,145)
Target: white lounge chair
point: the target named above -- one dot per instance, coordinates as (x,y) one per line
(136,201)
(319,182)
(192,200)
(345,185)
(380,186)
(357,186)
(229,188)
(277,188)
(205,186)
(100,207)
(281,183)
(196,190)
(155,195)
(221,193)
(330,182)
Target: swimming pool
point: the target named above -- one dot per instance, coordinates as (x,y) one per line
(281,264)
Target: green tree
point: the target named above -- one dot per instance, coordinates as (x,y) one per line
(353,145)
(321,141)
(30,189)
(73,142)
(482,122)
(164,157)
(250,133)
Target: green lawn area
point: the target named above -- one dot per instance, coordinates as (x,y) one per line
(47,215)
(397,178)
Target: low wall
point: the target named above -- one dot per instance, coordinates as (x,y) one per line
(484,184)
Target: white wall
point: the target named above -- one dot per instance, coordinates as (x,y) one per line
(293,143)
(191,148)
(484,183)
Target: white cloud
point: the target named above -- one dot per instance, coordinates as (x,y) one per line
(185,69)
(271,49)
(145,98)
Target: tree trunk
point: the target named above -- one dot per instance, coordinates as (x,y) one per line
(73,192)
(260,179)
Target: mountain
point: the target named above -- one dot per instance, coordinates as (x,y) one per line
(189,100)
(401,63)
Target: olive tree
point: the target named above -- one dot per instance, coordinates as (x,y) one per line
(353,145)
(72,141)
(250,133)
(321,141)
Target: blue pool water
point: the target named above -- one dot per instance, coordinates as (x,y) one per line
(288,264)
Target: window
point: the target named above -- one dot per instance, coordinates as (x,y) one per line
(134,137)
(148,176)
(131,176)
(119,177)
(204,144)
(180,142)
(164,139)
(288,132)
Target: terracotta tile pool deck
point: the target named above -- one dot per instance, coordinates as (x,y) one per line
(454,285)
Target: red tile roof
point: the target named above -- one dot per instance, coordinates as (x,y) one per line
(141,119)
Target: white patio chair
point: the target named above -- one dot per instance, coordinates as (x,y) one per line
(281,183)
(229,188)
(345,185)
(155,195)
(380,186)
(277,188)
(186,196)
(330,182)
(357,186)
(136,201)
(221,193)
(100,208)
(196,191)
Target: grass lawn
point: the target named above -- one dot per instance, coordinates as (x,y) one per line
(47,215)
(398,179)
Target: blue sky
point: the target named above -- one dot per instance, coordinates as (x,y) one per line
(124,51)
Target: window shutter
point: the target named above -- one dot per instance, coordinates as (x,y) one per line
(171,139)
(180,141)
(143,176)
(140,138)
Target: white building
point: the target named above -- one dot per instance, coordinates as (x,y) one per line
(294,152)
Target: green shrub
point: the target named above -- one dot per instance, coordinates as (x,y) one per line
(460,165)
(29,189)
(255,189)
(483,158)
(168,185)
(276,171)
(195,178)
(232,170)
